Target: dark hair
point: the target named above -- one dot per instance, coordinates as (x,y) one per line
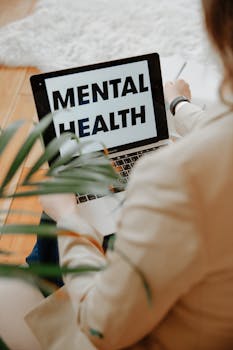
(219,24)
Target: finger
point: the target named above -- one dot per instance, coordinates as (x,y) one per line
(183,82)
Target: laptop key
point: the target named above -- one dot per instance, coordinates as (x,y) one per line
(127,167)
(83,199)
(119,162)
(124,173)
(124,180)
(116,190)
(91,197)
(132,154)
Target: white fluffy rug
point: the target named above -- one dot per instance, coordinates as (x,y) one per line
(65,33)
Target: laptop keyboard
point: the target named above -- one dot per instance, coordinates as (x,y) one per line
(124,164)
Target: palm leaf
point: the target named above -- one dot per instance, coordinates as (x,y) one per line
(45,230)
(95,179)
(47,271)
(95,158)
(88,173)
(49,153)
(26,148)
(14,271)
(3,346)
(36,273)
(59,188)
(6,135)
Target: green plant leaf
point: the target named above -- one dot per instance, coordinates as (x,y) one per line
(3,346)
(68,185)
(26,148)
(45,230)
(63,188)
(61,161)
(6,135)
(50,151)
(97,174)
(36,273)
(45,271)
(14,271)
(84,159)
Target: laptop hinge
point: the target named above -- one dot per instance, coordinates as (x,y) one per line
(141,148)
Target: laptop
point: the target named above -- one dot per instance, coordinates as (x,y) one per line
(119,104)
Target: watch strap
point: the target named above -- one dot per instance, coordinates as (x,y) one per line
(176,101)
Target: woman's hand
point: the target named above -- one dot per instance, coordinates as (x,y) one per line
(175,89)
(59,206)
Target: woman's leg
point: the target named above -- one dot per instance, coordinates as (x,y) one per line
(17,298)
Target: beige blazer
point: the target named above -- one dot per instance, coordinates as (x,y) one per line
(175,241)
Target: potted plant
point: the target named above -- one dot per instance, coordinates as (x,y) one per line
(88,173)
(85,173)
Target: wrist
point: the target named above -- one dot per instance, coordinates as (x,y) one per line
(179,106)
(176,101)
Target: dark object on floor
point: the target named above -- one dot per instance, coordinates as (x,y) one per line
(45,251)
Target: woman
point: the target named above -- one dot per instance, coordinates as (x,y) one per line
(176,228)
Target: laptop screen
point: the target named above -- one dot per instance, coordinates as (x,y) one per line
(117,104)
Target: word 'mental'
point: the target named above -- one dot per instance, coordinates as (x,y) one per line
(92,93)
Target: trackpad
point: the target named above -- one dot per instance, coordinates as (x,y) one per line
(103,213)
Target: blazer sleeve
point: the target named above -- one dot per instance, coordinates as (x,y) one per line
(188,118)
(157,257)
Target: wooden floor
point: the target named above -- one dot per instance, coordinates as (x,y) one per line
(16,103)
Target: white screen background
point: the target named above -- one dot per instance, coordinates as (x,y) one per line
(114,138)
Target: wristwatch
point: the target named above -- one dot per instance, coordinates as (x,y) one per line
(176,101)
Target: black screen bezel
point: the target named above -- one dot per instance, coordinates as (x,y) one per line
(43,107)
